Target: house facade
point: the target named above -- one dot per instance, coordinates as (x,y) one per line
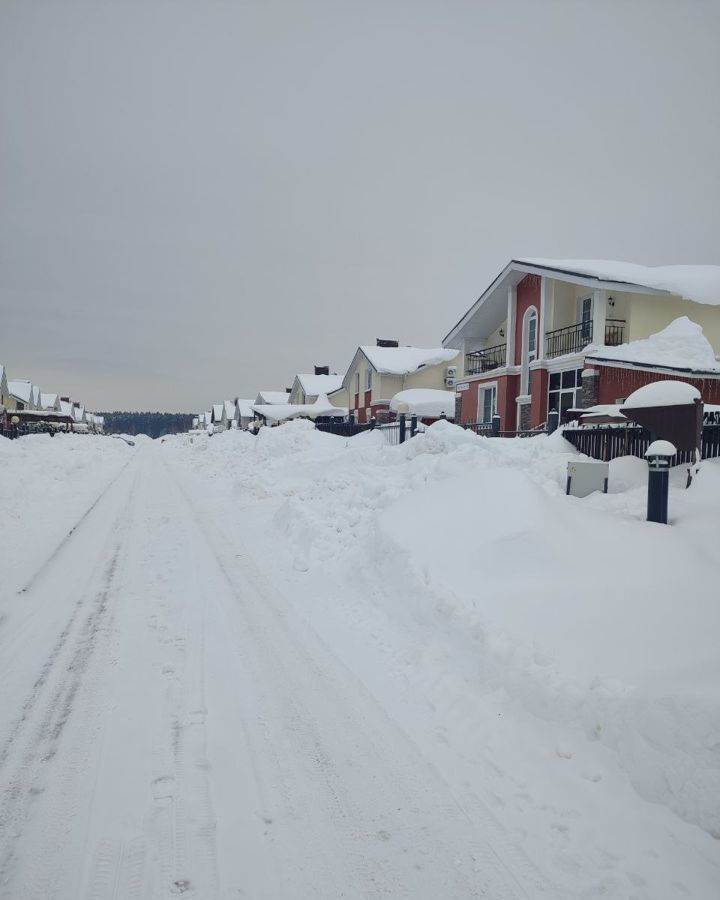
(545,335)
(376,374)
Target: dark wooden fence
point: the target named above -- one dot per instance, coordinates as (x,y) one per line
(606,442)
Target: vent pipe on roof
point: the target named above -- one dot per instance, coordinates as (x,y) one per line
(382,342)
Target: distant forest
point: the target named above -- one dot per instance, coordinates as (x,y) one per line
(154,424)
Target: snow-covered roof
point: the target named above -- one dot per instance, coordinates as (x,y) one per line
(404,360)
(662,393)
(314,385)
(272,397)
(66,407)
(698,283)
(22,390)
(78,413)
(217,412)
(48,401)
(426,402)
(230,409)
(680,345)
(281,413)
(245,408)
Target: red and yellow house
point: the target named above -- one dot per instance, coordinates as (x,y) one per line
(546,335)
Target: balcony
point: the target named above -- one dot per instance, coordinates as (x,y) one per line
(486,360)
(573,338)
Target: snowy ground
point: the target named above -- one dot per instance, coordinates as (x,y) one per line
(297,666)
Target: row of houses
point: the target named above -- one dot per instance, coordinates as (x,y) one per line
(24,407)
(564,335)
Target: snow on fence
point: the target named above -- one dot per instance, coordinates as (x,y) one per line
(610,441)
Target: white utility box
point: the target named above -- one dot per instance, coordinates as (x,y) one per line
(585,477)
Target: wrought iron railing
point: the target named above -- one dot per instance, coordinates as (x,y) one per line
(486,360)
(606,442)
(573,338)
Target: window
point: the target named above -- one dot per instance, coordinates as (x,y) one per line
(368,379)
(565,391)
(357,382)
(487,403)
(529,354)
(586,318)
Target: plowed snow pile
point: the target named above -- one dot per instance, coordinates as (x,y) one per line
(555,657)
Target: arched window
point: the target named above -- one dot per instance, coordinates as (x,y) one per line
(529,350)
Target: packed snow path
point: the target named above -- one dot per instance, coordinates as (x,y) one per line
(171,728)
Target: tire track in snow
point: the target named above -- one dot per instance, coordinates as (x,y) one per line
(26,759)
(311,725)
(66,539)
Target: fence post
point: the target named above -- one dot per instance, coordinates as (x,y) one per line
(402,428)
(553,419)
(495,425)
(413,425)
(373,422)
(351,419)
(442,415)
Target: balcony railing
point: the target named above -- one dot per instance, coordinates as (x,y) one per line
(486,360)
(573,338)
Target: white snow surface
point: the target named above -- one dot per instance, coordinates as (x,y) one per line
(426,402)
(662,393)
(700,283)
(272,397)
(300,666)
(405,360)
(680,345)
(23,390)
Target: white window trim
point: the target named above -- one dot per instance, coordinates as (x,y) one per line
(483,386)
(524,361)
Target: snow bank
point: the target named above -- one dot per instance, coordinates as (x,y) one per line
(681,345)
(426,402)
(698,283)
(562,651)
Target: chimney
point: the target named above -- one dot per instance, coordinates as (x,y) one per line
(382,342)
(65,399)
(322,370)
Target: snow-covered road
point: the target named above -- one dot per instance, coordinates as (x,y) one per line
(172,727)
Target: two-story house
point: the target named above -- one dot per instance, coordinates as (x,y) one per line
(544,335)
(376,374)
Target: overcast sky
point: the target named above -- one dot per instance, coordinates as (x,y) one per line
(199,199)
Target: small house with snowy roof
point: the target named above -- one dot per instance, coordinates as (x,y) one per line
(568,334)
(307,388)
(20,395)
(376,374)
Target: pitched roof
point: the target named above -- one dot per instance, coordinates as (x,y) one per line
(698,283)
(272,397)
(320,384)
(405,360)
(22,390)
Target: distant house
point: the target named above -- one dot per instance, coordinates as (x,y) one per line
(307,388)
(20,395)
(218,416)
(270,398)
(565,334)
(231,414)
(245,412)
(50,401)
(36,394)
(377,374)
